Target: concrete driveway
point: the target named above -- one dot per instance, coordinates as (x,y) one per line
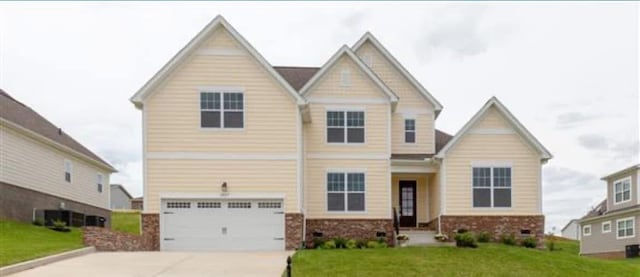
(142,264)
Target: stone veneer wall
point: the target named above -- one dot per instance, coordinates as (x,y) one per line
(495,225)
(104,239)
(150,224)
(359,229)
(293,230)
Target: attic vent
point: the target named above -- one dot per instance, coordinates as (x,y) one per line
(60,131)
(345,78)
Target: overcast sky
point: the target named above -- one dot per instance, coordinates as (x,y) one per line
(568,72)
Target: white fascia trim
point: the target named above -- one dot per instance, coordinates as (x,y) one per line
(544,153)
(219,156)
(347,156)
(345,50)
(443,188)
(219,195)
(389,177)
(412,169)
(492,131)
(634,167)
(139,97)
(329,100)
(423,91)
(145,190)
(220,51)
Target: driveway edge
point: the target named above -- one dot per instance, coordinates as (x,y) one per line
(15,268)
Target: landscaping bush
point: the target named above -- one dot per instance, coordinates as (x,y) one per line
(330,244)
(351,244)
(484,237)
(60,226)
(372,244)
(551,242)
(38,222)
(362,244)
(530,242)
(441,237)
(466,239)
(340,242)
(508,239)
(317,242)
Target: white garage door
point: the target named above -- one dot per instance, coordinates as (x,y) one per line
(213,224)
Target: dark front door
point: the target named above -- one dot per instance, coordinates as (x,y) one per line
(407,203)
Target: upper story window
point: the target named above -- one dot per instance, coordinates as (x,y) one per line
(345,191)
(622,190)
(345,127)
(491,187)
(626,227)
(410,131)
(345,78)
(221,110)
(99,181)
(68,167)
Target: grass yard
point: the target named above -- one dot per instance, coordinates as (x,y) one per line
(21,242)
(126,221)
(490,259)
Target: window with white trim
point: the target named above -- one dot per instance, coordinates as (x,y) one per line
(410,130)
(345,127)
(622,190)
(491,187)
(222,110)
(586,230)
(68,168)
(99,182)
(606,227)
(345,77)
(345,192)
(626,227)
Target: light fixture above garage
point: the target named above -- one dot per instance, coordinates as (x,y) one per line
(224,188)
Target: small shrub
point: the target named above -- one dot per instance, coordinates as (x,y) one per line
(382,240)
(330,244)
(441,237)
(508,239)
(530,242)
(340,242)
(362,244)
(551,241)
(351,244)
(317,242)
(466,239)
(376,244)
(60,226)
(38,222)
(484,237)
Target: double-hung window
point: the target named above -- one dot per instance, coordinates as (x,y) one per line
(586,230)
(222,110)
(345,192)
(345,127)
(68,167)
(491,187)
(410,131)
(622,190)
(100,181)
(625,227)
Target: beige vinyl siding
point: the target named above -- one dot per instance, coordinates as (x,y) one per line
(173,110)
(611,192)
(599,242)
(434,196)
(29,163)
(492,120)
(361,86)
(376,185)
(207,176)
(422,197)
(411,102)
(501,148)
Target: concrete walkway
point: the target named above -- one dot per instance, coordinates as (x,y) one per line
(143,264)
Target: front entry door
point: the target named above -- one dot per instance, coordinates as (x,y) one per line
(407,203)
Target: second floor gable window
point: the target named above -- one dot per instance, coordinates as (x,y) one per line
(67,170)
(410,131)
(345,127)
(222,110)
(622,190)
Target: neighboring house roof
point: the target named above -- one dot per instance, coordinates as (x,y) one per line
(442,139)
(198,40)
(598,210)
(21,115)
(369,37)
(569,223)
(346,51)
(296,76)
(137,199)
(494,102)
(118,186)
(631,168)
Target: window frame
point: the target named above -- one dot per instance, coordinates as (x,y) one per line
(345,191)
(492,187)
(584,227)
(414,131)
(606,223)
(222,110)
(622,182)
(345,128)
(100,182)
(633,227)
(70,171)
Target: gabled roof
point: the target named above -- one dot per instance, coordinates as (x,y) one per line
(120,187)
(188,49)
(576,221)
(494,102)
(346,51)
(21,115)
(296,76)
(369,37)
(626,170)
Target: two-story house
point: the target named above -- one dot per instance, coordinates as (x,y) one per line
(612,225)
(239,154)
(45,173)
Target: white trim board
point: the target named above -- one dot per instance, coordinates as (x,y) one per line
(219,156)
(346,156)
(214,195)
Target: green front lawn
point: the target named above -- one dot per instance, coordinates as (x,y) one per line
(21,242)
(490,259)
(128,222)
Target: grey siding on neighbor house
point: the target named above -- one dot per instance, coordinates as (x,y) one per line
(598,242)
(119,199)
(634,191)
(572,230)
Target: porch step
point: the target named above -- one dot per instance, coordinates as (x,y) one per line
(419,237)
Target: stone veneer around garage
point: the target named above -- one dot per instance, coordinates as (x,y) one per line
(359,229)
(293,230)
(496,225)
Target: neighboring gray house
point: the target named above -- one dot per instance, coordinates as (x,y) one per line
(120,198)
(614,223)
(572,230)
